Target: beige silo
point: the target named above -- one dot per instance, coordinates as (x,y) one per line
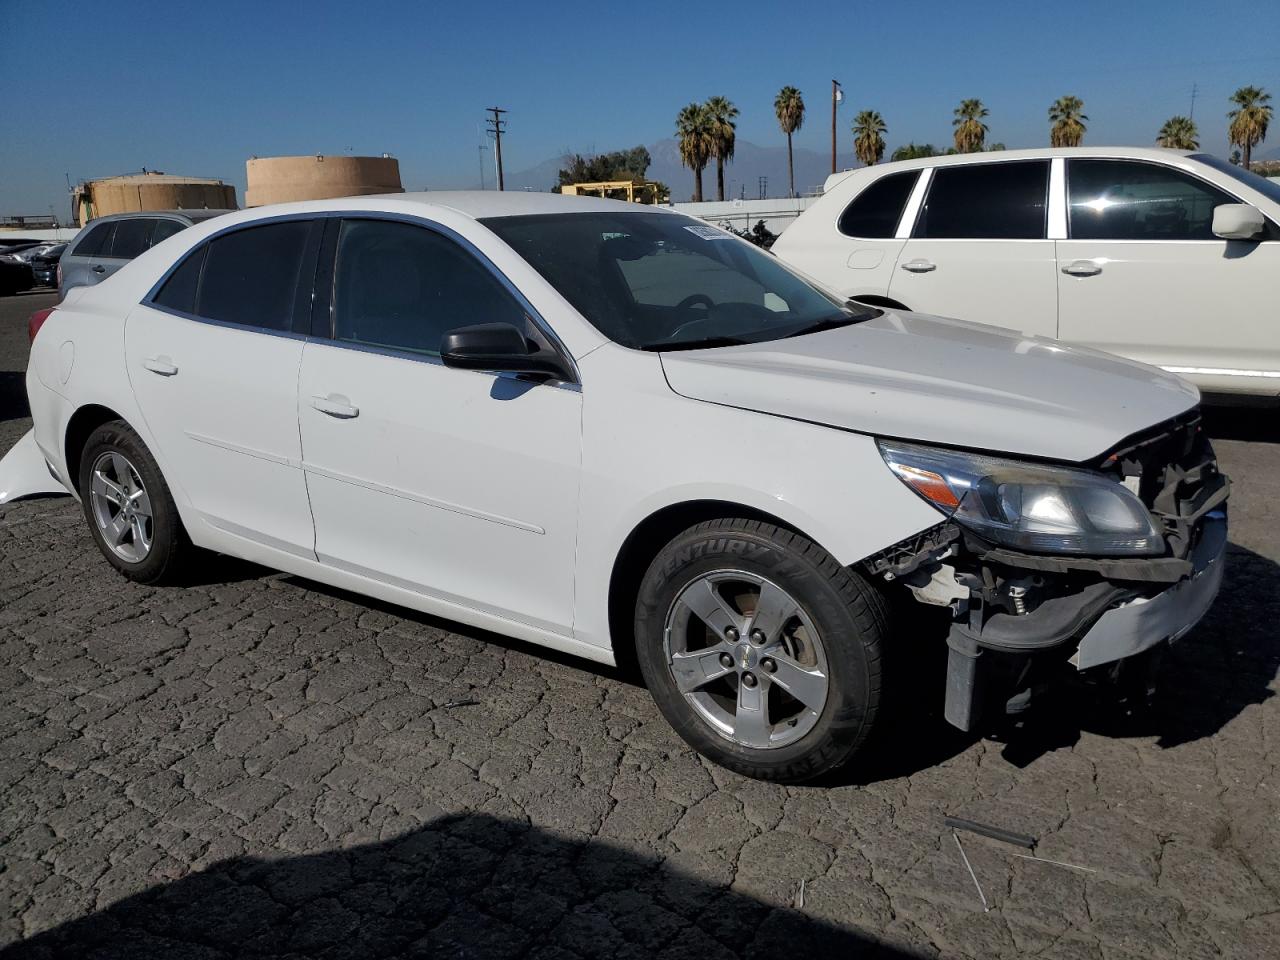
(284,179)
(151,191)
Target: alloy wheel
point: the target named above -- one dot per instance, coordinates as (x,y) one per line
(747,658)
(121,507)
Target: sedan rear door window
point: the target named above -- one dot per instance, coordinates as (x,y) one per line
(1127,200)
(96,242)
(251,276)
(986,201)
(875,212)
(166,229)
(133,237)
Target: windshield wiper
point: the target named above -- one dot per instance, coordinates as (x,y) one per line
(664,346)
(830,323)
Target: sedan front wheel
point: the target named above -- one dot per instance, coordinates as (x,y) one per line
(760,649)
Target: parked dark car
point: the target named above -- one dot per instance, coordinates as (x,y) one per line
(108,243)
(15,276)
(44,266)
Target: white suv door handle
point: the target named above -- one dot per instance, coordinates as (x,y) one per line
(336,405)
(919,266)
(1082,268)
(161,365)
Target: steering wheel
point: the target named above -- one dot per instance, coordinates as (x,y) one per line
(694,299)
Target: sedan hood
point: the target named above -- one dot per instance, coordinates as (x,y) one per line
(916,377)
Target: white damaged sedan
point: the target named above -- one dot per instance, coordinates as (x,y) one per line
(622,433)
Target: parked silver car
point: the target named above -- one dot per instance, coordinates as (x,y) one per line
(108,243)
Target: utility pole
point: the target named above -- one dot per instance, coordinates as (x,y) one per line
(496,126)
(480,149)
(1194,90)
(836,96)
(763,188)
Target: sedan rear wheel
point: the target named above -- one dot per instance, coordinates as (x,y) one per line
(130,510)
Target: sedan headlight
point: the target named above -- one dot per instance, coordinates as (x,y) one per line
(1028,506)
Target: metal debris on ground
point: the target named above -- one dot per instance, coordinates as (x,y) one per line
(986,907)
(1056,863)
(465,702)
(995,833)
(800,896)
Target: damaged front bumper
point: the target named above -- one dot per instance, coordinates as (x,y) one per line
(1106,622)
(1019,618)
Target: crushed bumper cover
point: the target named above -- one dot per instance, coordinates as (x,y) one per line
(1140,624)
(1111,622)
(24,472)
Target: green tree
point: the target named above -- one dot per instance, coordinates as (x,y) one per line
(723,134)
(693,130)
(971,132)
(1067,117)
(789,106)
(630,164)
(914,151)
(1179,133)
(868,137)
(1249,120)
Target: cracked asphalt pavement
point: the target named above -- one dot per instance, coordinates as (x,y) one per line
(257,766)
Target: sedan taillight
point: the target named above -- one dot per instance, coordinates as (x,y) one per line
(36,322)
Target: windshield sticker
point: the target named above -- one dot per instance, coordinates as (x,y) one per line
(709,233)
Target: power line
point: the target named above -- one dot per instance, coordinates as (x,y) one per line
(496,126)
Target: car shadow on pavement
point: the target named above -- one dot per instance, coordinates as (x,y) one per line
(13,395)
(477,886)
(1203,682)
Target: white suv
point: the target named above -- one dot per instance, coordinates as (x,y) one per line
(1163,256)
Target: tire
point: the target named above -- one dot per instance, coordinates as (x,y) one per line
(836,632)
(114,450)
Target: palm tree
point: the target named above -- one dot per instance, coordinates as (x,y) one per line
(970,130)
(789,106)
(723,133)
(1068,122)
(1179,133)
(868,137)
(913,151)
(693,128)
(1249,120)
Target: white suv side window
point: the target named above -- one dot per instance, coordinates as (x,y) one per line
(986,201)
(1128,200)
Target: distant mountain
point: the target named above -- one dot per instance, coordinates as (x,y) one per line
(750,162)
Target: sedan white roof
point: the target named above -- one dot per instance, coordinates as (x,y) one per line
(480,204)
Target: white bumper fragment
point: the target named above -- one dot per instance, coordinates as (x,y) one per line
(1140,624)
(24,473)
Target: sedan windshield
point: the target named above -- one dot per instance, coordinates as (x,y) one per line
(655,281)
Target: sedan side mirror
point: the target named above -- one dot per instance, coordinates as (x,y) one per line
(1237,221)
(500,347)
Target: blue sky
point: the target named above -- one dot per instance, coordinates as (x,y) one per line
(198,88)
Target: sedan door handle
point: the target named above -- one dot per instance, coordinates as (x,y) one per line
(919,266)
(99,269)
(336,405)
(1082,268)
(161,365)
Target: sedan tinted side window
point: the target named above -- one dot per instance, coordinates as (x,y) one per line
(1124,200)
(875,212)
(133,237)
(166,229)
(403,287)
(986,201)
(95,241)
(251,275)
